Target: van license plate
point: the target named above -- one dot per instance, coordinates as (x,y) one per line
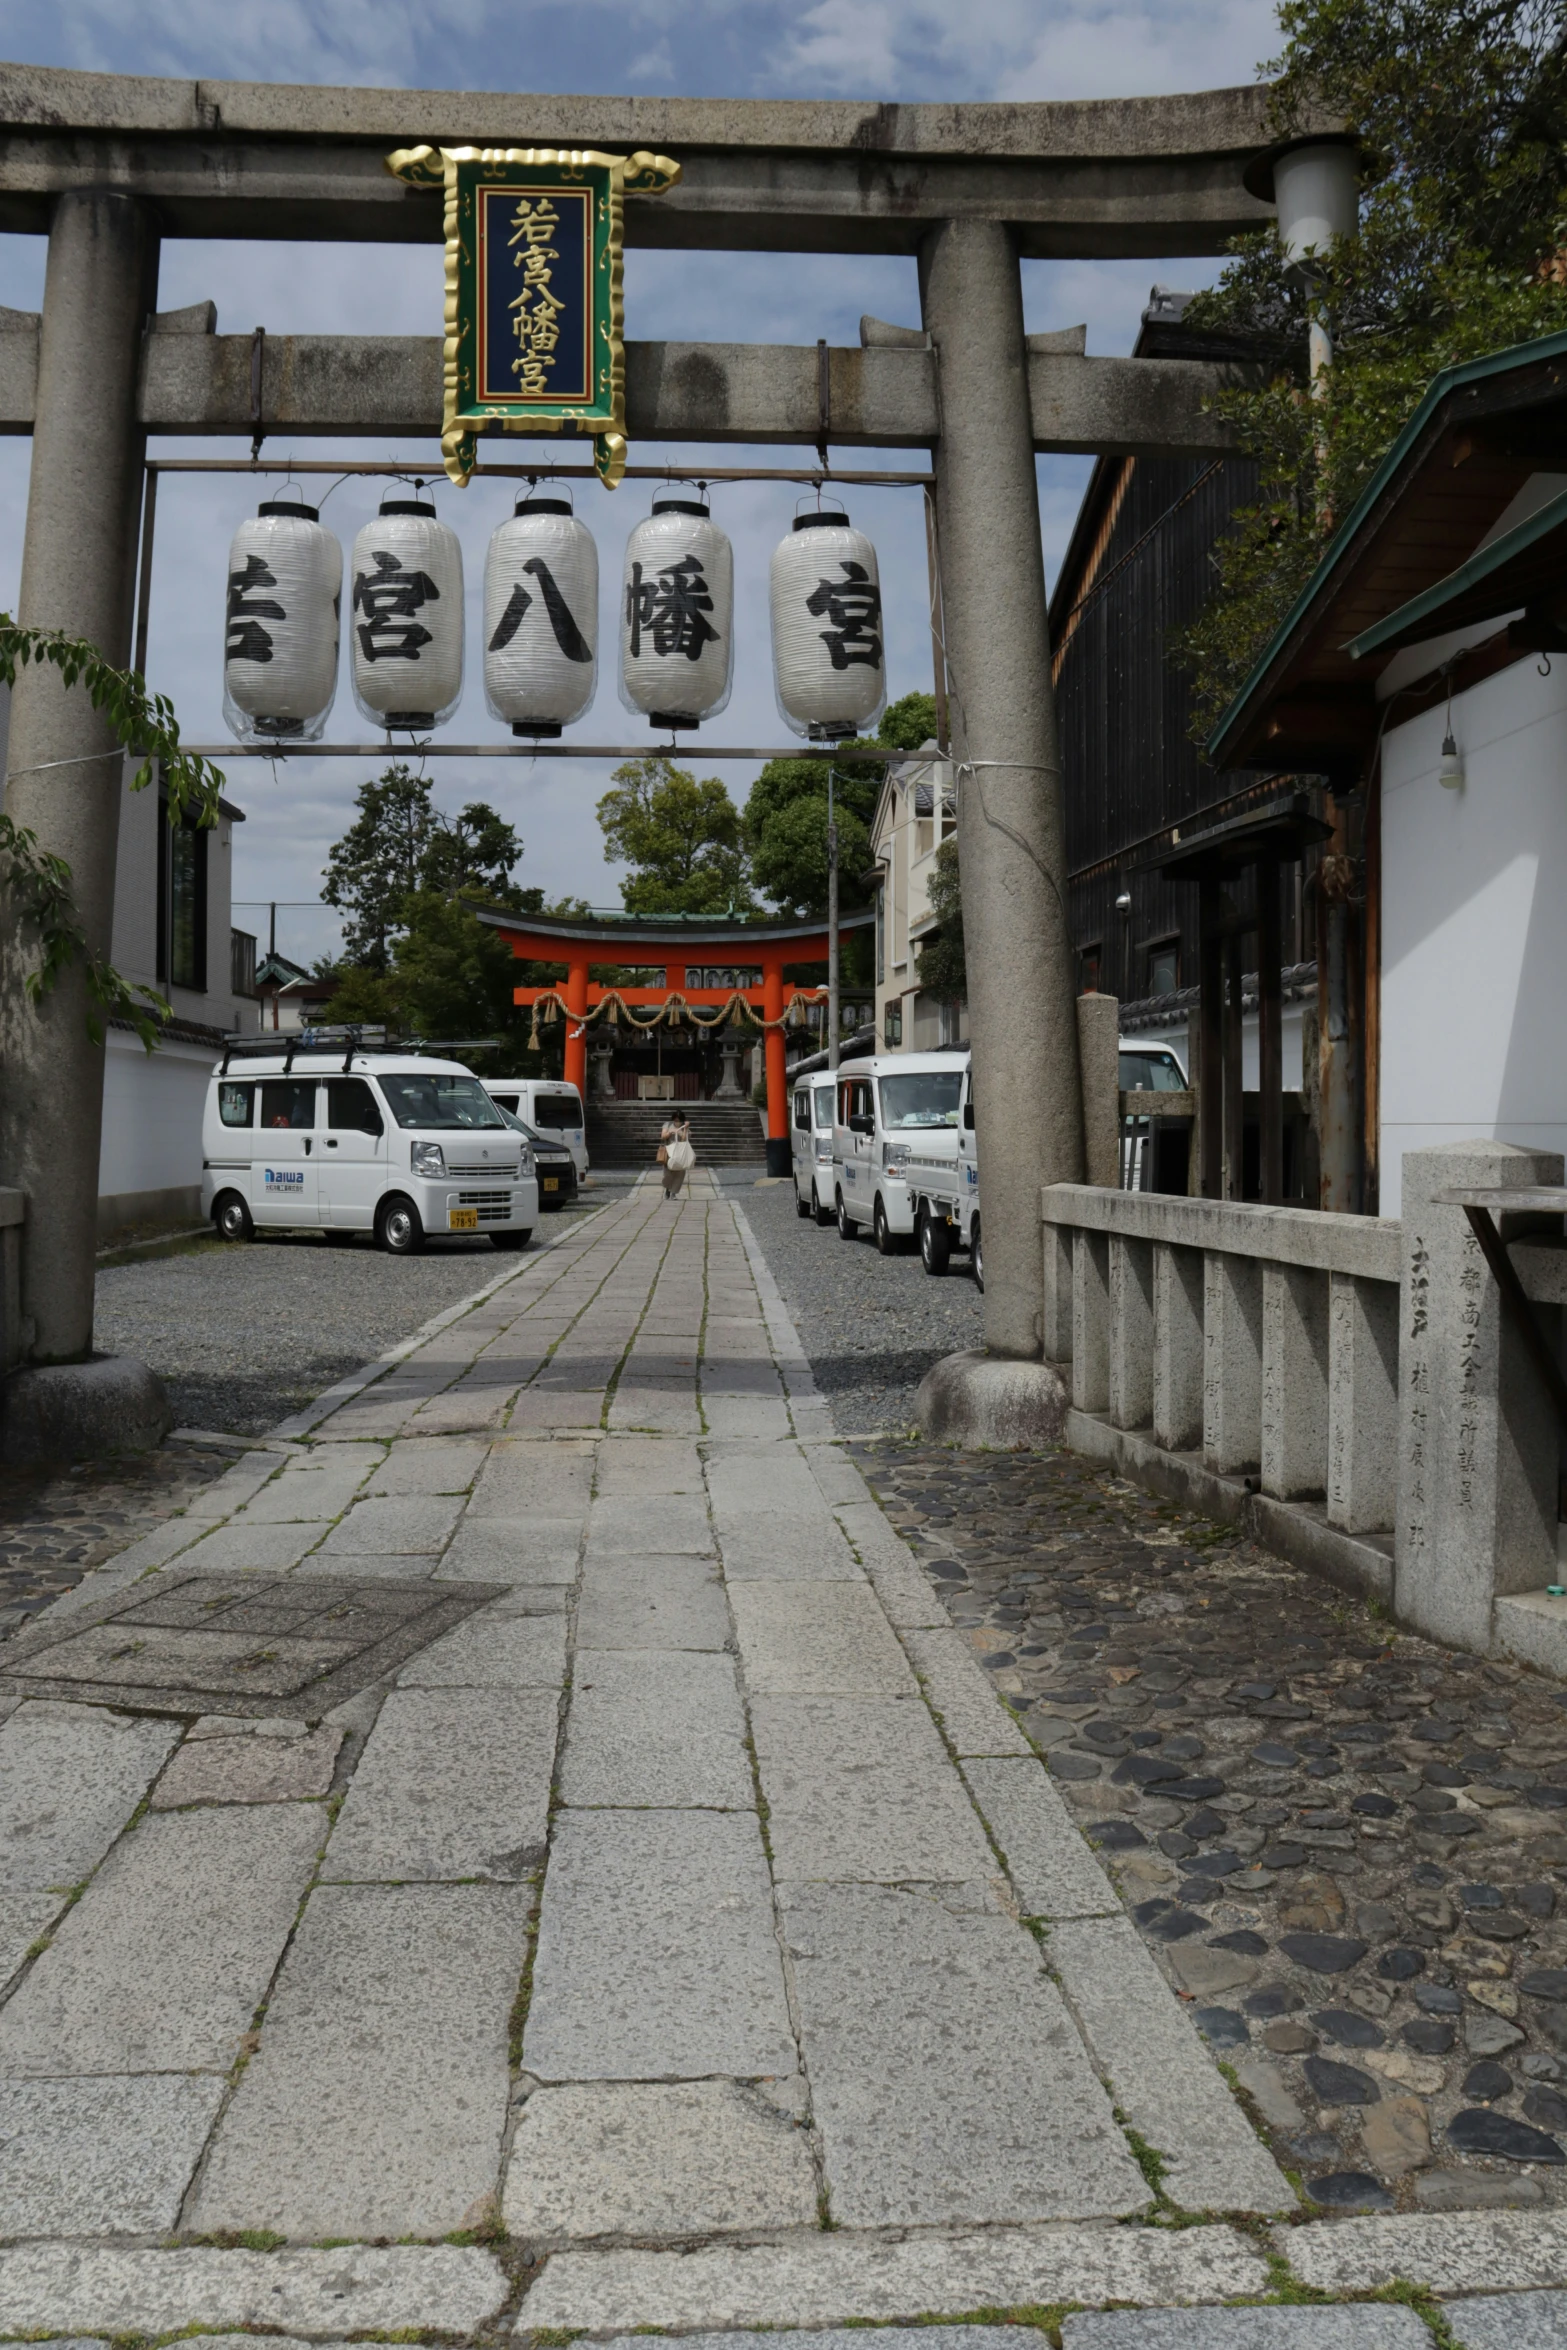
(462,1219)
(550,1183)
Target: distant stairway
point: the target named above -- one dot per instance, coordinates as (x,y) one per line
(625,1134)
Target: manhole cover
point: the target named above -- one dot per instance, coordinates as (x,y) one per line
(237,1644)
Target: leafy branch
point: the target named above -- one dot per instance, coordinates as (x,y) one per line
(38,881)
(141,721)
(40,886)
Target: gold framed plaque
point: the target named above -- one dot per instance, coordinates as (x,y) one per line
(534,310)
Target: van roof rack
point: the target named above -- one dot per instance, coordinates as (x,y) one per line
(246,1045)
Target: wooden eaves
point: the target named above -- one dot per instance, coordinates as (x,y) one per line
(1482,429)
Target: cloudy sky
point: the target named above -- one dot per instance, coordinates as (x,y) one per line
(863,49)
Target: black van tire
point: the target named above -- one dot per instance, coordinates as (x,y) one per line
(888,1242)
(231,1219)
(802,1201)
(512,1239)
(846,1228)
(397,1227)
(935,1242)
(823,1215)
(977,1256)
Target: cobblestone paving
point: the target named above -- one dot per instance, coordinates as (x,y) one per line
(1347,1848)
(56,1526)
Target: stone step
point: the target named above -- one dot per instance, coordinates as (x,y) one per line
(625,1134)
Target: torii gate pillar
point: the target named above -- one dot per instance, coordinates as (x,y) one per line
(64,786)
(1021,993)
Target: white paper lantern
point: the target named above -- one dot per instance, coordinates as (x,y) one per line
(285,591)
(829,658)
(541,618)
(677,616)
(405,618)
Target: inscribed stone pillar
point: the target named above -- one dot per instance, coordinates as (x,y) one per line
(64,777)
(1478,1441)
(1021,993)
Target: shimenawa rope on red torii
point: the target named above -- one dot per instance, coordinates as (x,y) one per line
(552,1006)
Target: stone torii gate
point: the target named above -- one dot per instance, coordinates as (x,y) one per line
(108,166)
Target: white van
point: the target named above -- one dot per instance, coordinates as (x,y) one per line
(810,1145)
(888,1108)
(311,1137)
(549,1104)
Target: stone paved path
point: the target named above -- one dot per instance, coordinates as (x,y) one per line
(663,1925)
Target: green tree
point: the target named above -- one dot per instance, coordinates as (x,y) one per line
(909,723)
(940,964)
(400,844)
(786,814)
(1462,108)
(681,838)
(449,975)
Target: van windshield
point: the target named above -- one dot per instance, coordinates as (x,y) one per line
(1151,1072)
(429,1099)
(927,1098)
(824,1105)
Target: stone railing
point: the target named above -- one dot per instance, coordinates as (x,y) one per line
(1349,1388)
(1251,1351)
(13,1209)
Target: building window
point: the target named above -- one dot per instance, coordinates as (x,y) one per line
(881,937)
(892,1025)
(182,908)
(1088,970)
(1164,967)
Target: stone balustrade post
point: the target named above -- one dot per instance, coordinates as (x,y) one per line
(1478,1442)
(1294,1432)
(1232,1362)
(1090,1321)
(1177,1347)
(1057,1244)
(1131,1332)
(1362,1403)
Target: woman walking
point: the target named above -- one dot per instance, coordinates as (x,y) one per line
(674,1149)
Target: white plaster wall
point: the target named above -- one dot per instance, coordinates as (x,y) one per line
(1474,923)
(152,1113)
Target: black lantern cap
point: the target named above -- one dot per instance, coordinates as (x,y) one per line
(822,522)
(408,506)
(527,505)
(683,506)
(289,506)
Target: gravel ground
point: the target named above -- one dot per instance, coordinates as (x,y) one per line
(1344,1845)
(243,1336)
(871,1325)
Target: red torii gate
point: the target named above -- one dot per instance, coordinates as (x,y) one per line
(679,945)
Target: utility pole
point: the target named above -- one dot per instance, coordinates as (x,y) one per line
(833,1022)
